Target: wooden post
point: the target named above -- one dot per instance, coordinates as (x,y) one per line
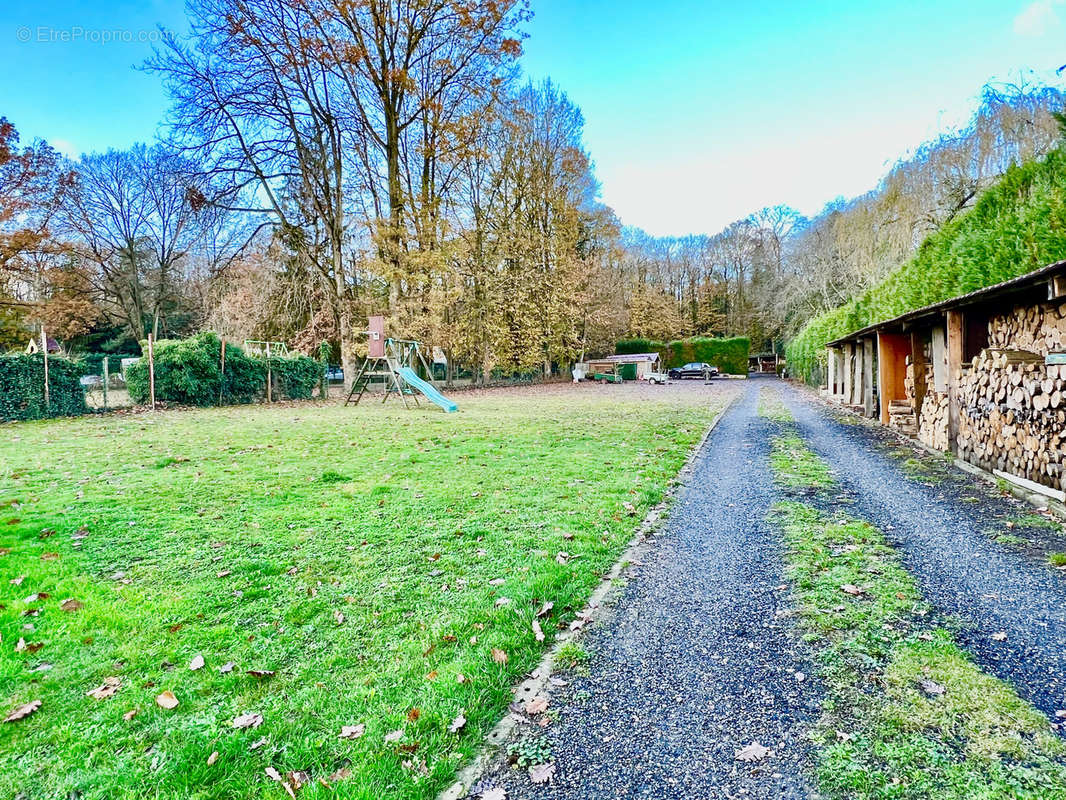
(151,371)
(107,378)
(868,370)
(222,376)
(830,381)
(44,350)
(918,365)
(849,374)
(857,375)
(269,377)
(956,331)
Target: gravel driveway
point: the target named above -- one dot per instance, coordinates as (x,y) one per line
(700,658)
(987,587)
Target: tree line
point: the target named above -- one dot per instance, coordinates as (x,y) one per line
(326,161)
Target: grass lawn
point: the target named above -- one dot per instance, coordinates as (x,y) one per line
(380,568)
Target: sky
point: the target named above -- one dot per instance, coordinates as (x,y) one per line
(697,113)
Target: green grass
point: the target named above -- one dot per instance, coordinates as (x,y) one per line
(796,466)
(1057,559)
(362,555)
(907,714)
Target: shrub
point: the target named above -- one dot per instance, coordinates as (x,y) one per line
(189,372)
(628,347)
(22,387)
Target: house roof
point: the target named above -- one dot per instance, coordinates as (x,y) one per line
(1015,286)
(628,358)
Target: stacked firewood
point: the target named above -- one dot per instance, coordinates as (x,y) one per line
(1013,412)
(934,421)
(1038,329)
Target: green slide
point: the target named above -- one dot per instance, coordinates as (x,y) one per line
(427,389)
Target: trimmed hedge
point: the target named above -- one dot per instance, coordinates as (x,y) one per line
(1017,225)
(189,372)
(729,355)
(22,388)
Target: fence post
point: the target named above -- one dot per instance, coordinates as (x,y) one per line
(44,349)
(269,376)
(222,379)
(151,371)
(107,378)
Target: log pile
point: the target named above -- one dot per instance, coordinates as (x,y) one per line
(1038,329)
(901,417)
(933,423)
(1013,409)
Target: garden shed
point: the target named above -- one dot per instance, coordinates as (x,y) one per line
(980,375)
(631,367)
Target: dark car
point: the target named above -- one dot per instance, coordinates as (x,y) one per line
(693,370)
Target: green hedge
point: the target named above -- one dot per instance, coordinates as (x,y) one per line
(189,372)
(729,355)
(1016,226)
(22,387)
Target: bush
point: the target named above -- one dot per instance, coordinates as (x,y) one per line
(296,377)
(1016,226)
(729,355)
(22,387)
(189,372)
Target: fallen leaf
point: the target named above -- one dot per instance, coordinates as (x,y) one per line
(197,662)
(562,557)
(537,632)
(499,656)
(503,601)
(17,581)
(338,617)
(71,605)
(227,667)
(414,714)
(545,609)
(631,510)
(105,689)
(211,759)
(223,573)
(497,582)
(461,678)
(1000,636)
(495,793)
(261,673)
(23,711)
(753,752)
(130,714)
(394,736)
(457,724)
(542,773)
(536,705)
(432,676)
(166,700)
(248,720)
(352,731)
(258,743)
(852,589)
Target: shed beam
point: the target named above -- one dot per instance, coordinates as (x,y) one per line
(956,331)
(868,371)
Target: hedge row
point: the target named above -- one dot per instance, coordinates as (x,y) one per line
(189,372)
(22,388)
(729,355)
(1016,226)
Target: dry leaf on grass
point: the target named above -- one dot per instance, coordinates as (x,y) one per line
(261,673)
(852,589)
(105,689)
(461,678)
(631,510)
(129,714)
(499,656)
(23,711)
(166,700)
(223,573)
(542,773)
(338,617)
(538,633)
(227,667)
(752,752)
(394,736)
(352,731)
(457,724)
(197,662)
(71,604)
(211,759)
(17,581)
(414,714)
(503,601)
(931,688)
(248,720)
(545,609)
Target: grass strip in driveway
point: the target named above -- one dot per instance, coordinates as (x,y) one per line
(907,714)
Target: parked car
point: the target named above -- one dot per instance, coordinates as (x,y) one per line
(334,374)
(693,370)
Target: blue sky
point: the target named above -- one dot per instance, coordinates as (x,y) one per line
(697,113)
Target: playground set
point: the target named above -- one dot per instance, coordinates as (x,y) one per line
(393,361)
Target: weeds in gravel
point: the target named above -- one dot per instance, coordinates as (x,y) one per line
(1057,559)
(908,715)
(571,655)
(773,408)
(795,466)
